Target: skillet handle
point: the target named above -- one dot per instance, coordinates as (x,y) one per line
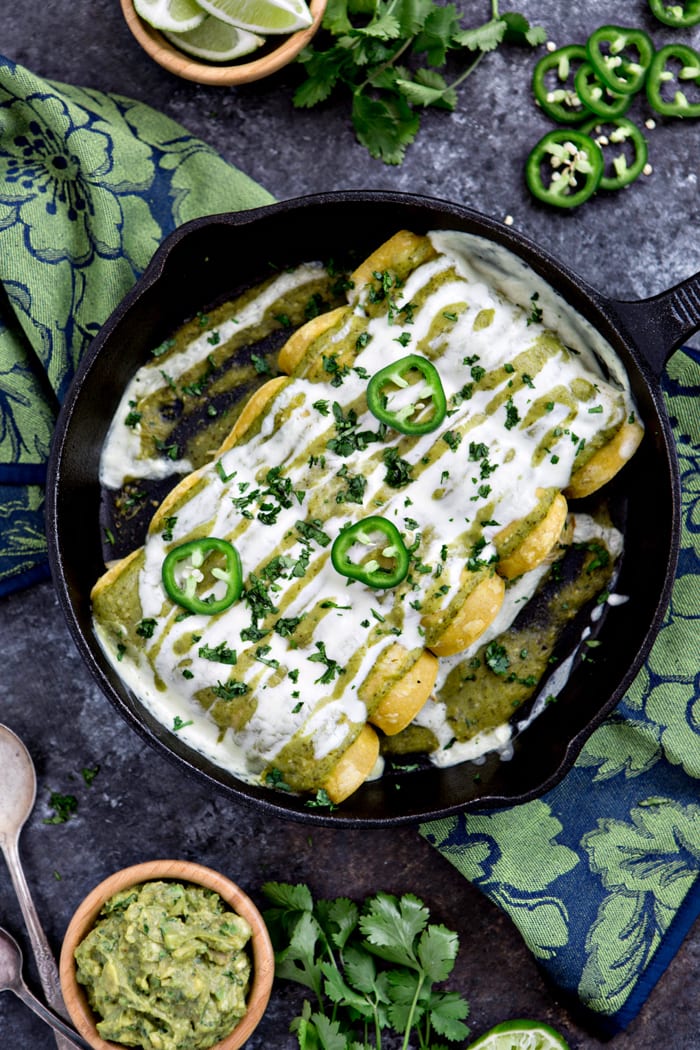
(660,324)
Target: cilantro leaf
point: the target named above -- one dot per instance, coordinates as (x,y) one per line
(378,52)
(329,1032)
(519,30)
(360,969)
(296,962)
(338,919)
(447,1011)
(438,34)
(482,38)
(335,17)
(323,70)
(384,126)
(385,25)
(413,14)
(404,989)
(428,89)
(338,991)
(391,926)
(293,898)
(437,951)
(371,968)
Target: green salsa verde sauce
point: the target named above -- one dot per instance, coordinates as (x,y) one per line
(165,967)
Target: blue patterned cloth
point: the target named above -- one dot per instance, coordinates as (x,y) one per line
(600,875)
(90,184)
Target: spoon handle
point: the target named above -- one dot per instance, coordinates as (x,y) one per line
(46,964)
(65,1036)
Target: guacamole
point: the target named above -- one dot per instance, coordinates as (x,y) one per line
(165,967)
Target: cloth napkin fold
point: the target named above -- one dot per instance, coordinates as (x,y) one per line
(601,874)
(90,184)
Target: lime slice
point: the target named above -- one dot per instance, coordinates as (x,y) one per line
(215,41)
(179,16)
(520,1035)
(261,16)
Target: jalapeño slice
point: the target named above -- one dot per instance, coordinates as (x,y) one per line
(672,67)
(621,57)
(564,168)
(625,150)
(678,14)
(553,84)
(598,96)
(198,566)
(381,559)
(408,395)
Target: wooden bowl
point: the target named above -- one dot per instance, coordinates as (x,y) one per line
(183,65)
(263,960)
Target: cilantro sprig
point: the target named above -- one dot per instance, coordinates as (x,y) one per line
(393,56)
(371,968)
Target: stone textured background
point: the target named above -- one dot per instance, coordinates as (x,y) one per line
(140,806)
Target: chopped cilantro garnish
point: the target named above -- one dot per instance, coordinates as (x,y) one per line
(220,653)
(312,531)
(287,625)
(171,451)
(179,724)
(170,523)
(64,806)
(398,470)
(132,417)
(230,690)
(274,778)
(512,415)
(89,774)
(163,347)
(146,627)
(333,668)
(497,658)
(536,310)
(321,799)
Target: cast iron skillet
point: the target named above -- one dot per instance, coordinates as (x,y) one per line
(204,261)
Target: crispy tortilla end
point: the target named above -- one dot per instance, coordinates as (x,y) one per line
(476,614)
(606,462)
(407,696)
(353,768)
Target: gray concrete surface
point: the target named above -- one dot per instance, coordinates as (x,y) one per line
(139,806)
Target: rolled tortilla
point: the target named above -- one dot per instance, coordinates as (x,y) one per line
(606,462)
(353,768)
(450,631)
(395,695)
(522,553)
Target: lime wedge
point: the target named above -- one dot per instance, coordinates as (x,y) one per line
(215,41)
(520,1035)
(178,16)
(261,16)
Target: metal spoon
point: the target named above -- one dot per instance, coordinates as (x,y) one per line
(17,795)
(11,980)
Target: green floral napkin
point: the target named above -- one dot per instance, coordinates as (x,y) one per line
(600,875)
(90,184)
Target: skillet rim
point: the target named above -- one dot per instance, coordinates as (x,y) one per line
(565,281)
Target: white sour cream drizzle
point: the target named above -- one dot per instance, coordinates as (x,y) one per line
(122,454)
(436,510)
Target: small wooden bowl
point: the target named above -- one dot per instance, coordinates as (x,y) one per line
(263,961)
(183,65)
